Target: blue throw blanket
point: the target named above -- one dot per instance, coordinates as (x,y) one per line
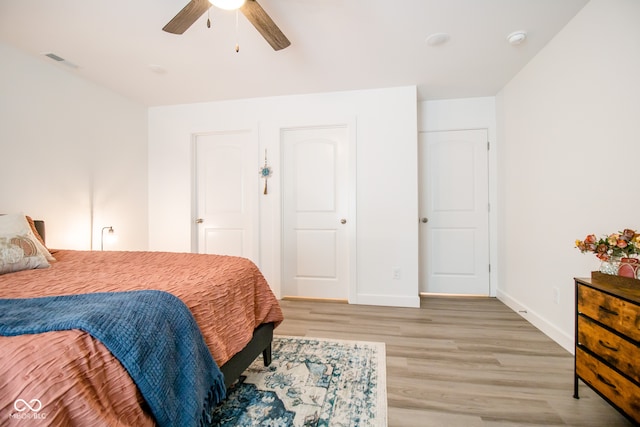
(152,333)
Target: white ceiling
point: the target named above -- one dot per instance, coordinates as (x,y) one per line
(335,45)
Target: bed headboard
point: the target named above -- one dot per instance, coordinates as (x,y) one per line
(40,227)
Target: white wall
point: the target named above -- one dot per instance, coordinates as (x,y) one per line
(386,139)
(70,151)
(568,131)
(463,114)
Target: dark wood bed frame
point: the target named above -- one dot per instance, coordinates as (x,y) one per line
(260,343)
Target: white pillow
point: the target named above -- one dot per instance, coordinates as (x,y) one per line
(19,247)
(17,225)
(19,253)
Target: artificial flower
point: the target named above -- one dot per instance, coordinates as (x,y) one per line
(623,244)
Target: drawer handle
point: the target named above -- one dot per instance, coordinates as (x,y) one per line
(604,381)
(607,346)
(608,311)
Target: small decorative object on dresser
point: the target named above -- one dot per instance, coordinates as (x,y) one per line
(629,267)
(607,340)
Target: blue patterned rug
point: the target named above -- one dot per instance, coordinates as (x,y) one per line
(311,382)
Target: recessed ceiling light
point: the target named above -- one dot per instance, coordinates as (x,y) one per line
(437,39)
(158,69)
(516,37)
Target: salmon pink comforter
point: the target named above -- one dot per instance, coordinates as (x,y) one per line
(68,378)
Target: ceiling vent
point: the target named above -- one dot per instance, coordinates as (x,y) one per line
(60,60)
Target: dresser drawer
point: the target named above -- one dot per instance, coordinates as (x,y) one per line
(615,350)
(609,310)
(619,390)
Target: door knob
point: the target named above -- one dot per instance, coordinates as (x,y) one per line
(199,221)
(424,220)
(343,221)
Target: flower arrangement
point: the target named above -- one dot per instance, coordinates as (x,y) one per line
(623,244)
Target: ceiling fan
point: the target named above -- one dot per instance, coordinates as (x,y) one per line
(250,9)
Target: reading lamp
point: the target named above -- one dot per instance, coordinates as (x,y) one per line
(110,228)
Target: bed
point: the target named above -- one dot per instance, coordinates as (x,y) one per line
(68,377)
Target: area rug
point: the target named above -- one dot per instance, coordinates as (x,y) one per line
(311,382)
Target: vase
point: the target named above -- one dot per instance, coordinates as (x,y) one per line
(628,267)
(610,266)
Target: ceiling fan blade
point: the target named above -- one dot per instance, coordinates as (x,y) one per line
(187,16)
(265,25)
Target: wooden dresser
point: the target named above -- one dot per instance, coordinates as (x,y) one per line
(607,353)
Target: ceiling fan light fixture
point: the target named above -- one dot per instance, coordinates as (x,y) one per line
(227,4)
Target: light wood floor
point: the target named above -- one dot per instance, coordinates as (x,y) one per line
(460,361)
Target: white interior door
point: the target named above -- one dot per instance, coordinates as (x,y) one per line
(454,208)
(226,192)
(316,222)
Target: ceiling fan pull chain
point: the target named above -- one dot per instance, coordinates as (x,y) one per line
(237,41)
(208,18)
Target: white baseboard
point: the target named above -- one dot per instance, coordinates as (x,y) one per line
(549,329)
(388,300)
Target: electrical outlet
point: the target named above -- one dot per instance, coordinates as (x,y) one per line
(556,295)
(396,273)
